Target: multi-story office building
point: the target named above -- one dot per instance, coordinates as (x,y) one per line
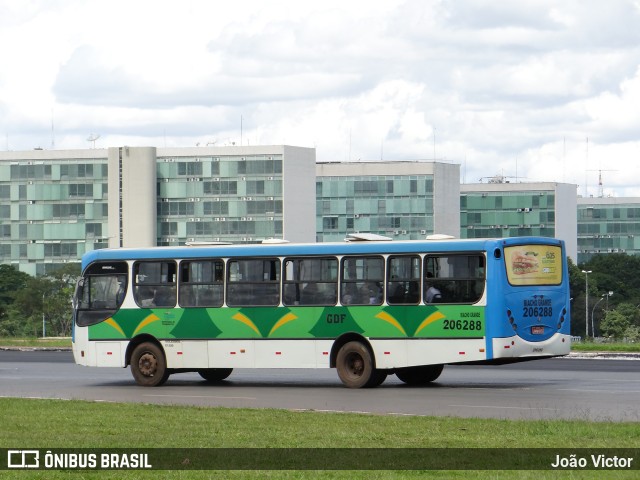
(608,225)
(235,194)
(401,200)
(498,210)
(53,207)
(56,205)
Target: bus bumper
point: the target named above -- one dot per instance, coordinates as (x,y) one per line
(510,347)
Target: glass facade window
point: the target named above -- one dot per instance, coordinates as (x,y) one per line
(219,198)
(507,214)
(398,206)
(608,228)
(52,211)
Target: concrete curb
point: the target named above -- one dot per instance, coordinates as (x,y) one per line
(605,355)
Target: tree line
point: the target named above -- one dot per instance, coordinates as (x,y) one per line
(613,291)
(36,306)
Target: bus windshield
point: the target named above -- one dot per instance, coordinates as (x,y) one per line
(100,293)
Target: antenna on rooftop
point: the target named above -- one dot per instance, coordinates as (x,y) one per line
(92,138)
(600,183)
(434,144)
(53,133)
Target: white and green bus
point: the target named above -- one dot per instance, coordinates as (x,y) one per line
(367,308)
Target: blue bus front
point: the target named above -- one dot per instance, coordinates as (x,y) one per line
(530,317)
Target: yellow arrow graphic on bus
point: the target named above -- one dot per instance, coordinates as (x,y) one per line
(112,322)
(434,317)
(285,319)
(389,319)
(247,321)
(149,319)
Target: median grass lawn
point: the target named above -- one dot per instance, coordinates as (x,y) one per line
(606,347)
(55,424)
(53,342)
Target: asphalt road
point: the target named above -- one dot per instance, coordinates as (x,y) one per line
(599,390)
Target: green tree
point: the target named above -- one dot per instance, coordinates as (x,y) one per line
(58,302)
(11,281)
(45,299)
(26,312)
(614,324)
(617,272)
(630,311)
(632,333)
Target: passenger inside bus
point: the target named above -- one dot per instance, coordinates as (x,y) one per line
(432,294)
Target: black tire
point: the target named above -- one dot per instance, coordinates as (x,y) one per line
(377,379)
(419,375)
(215,374)
(356,367)
(149,365)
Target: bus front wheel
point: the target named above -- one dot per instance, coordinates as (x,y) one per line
(419,375)
(355,366)
(149,365)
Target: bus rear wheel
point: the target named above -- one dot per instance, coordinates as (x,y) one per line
(215,374)
(356,368)
(419,375)
(149,365)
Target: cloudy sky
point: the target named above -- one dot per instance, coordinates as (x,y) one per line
(532,90)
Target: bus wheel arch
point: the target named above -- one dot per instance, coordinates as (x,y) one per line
(148,361)
(354,360)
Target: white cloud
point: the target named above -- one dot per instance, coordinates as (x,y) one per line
(511,88)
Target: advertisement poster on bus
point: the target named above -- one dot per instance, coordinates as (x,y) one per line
(534,264)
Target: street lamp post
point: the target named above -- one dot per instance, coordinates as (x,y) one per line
(603,296)
(44,325)
(593,314)
(586,302)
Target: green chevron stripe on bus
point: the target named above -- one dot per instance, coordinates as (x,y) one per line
(295,322)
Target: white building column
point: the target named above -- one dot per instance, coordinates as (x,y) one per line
(132,197)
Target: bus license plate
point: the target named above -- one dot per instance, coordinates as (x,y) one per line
(537,330)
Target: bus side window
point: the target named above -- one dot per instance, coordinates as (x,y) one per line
(310,281)
(253,282)
(201,283)
(154,283)
(362,280)
(456,278)
(403,280)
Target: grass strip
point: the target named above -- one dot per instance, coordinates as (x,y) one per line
(28,423)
